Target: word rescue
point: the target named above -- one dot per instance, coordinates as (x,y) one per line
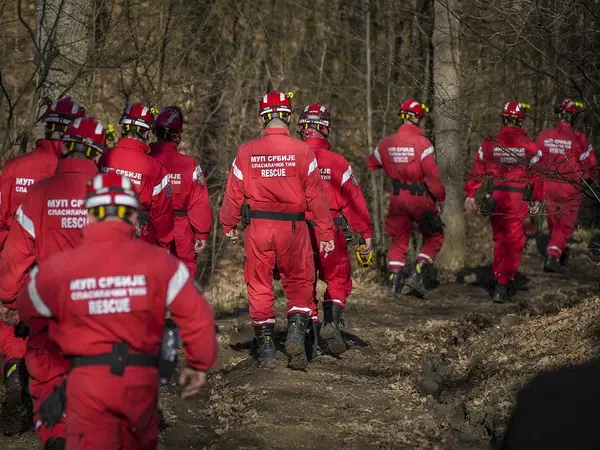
(71,212)
(273,166)
(135,177)
(558,146)
(401,154)
(22,183)
(108,295)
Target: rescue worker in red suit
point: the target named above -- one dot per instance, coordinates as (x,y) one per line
(418,196)
(193,214)
(130,158)
(347,206)
(50,221)
(568,158)
(105,304)
(277,178)
(17,178)
(511,159)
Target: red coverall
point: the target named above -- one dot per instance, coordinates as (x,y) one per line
(129,158)
(17,177)
(567,157)
(276,173)
(49,221)
(408,157)
(193,214)
(509,158)
(344,197)
(113,289)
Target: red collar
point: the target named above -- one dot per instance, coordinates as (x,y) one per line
(50,146)
(163,146)
(77,165)
(411,128)
(316,143)
(515,131)
(563,127)
(270,131)
(108,231)
(132,144)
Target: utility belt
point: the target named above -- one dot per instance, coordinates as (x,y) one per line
(415,187)
(341,223)
(117,360)
(527,191)
(248,215)
(180,213)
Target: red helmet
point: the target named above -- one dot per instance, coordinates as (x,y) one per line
(171,119)
(515,111)
(412,109)
(569,106)
(137,115)
(110,189)
(276,102)
(316,117)
(84,135)
(63,110)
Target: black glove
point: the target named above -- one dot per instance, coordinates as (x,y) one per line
(51,410)
(21,330)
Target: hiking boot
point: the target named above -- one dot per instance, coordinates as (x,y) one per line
(395,283)
(312,339)
(564,258)
(294,343)
(330,332)
(416,281)
(264,337)
(55,444)
(500,293)
(552,265)
(11,415)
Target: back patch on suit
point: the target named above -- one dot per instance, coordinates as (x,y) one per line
(66,213)
(273,166)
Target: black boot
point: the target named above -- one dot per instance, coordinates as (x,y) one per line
(264,336)
(55,444)
(330,332)
(500,293)
(294,343)
(564,258)
(552,264)
(12,413)
(416,281)
(312,339)
(396,281)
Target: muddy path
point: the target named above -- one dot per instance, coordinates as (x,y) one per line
(419,373)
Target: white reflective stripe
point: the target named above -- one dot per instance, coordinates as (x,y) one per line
(176,283)
(126,200)
(339,302)
(536,158)
(237,172)
(424,256)
(34,295)
(299,309)
(347,175)
(396,263)
(25,222)
(377,156)
(98,200)
(313,165)
(585,154)
(428,151)
(263,322)
(554,247)
(480,154)
(159,187)
(197,172)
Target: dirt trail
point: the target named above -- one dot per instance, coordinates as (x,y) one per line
(418,373)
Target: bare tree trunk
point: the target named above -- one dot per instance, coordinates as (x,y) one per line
(64,45)
(447,130)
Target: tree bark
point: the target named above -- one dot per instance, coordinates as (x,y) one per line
(447,130)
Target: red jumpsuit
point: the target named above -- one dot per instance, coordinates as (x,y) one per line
(193,214)
(129,158)
(277,174)
(567,157)
(49,221)
(17,177)
(116,289)
(344,197)
(408,158)
(510,159)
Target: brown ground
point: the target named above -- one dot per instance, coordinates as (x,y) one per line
(436,373)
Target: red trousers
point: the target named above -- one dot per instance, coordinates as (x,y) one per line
(335,271)
(509,234)
(404,210)
(184,244)
(110,411)
(11,347)
(562,207)
(47,370)
(267,241)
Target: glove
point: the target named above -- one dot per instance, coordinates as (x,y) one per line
(52,409)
